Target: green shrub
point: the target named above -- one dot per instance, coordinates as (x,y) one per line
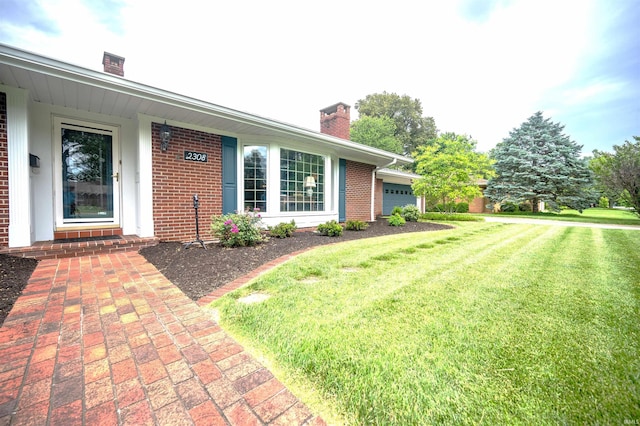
(450,217)
(238,229)
(356,225)
(508,207)
(410,213)
(396,220)
(462,207)
(331,228)
(396,210)
(603,203)
(283,229)
(525,207)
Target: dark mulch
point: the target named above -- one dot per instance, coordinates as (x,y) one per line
(198,272)
(14,275)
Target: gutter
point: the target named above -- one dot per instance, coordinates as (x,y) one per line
(373,187)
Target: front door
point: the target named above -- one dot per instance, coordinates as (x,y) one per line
(88,178)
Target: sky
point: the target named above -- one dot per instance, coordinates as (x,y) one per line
(478,67)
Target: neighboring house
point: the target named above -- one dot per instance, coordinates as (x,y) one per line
(81,155)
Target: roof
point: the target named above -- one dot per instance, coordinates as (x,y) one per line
(54,82)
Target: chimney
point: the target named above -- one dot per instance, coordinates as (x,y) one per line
(113,64)
(335,120)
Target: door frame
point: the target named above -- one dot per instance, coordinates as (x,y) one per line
(60,122)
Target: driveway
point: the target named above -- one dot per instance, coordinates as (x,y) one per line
(529,221)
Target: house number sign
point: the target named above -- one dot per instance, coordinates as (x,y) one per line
(200,157)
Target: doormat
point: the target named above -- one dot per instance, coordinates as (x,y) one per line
(86,239)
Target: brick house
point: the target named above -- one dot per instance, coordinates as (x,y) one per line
(82,154)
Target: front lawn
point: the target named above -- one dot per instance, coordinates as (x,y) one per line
(593,215)
(485,324)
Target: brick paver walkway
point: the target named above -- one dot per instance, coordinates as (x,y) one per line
(106,340)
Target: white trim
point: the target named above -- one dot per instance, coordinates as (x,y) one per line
(144,179)
(18,167)
(58,123)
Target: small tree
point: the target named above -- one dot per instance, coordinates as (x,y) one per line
(619,173)
(450,169)
(537,162)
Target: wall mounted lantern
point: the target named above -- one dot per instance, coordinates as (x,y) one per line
(310,183)
(165,135)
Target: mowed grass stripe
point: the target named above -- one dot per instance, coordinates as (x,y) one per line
(500,324)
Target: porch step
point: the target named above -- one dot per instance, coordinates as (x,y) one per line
(56,250)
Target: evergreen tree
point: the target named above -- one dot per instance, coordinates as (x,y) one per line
(537,162)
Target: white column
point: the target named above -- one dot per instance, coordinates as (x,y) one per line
(18,151)
(144,178)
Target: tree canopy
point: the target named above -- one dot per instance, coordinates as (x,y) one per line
(538,162)
(450,169)
(411,128)
(378,132)
(619,173)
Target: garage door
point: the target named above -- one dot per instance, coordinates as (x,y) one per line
(396,195)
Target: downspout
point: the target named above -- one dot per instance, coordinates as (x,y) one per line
(373,187)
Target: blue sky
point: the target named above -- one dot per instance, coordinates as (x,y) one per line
(478,67)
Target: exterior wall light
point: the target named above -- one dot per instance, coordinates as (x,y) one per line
(165,136)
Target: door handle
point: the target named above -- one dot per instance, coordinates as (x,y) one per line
(117,176)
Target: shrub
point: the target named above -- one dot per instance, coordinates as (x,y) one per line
(462,207)
(410,213)
(525,207)
(451,217)
(603,202)
(356,225)
(331,228)
(396,220)
(238,229)
(396,210)
(508,207)
(283,229)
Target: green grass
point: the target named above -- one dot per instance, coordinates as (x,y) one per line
(594,215)
(484,324)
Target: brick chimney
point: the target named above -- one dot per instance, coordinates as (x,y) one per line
(335,120)
(113,64)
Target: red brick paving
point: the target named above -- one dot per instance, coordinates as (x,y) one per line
(108,340)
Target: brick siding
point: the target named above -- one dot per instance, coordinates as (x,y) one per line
(358,197)
(175,180)
(377,210)
(4,173)
(478,205)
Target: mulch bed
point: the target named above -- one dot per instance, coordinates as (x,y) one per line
(14,275)
(198,272)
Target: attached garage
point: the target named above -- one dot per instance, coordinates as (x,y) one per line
(394,194)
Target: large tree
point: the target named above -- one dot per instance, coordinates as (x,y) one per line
(411,128)
(378,132)
(619,173)
(450,169)
(538,162)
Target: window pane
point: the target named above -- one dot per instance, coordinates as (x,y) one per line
(255,177)
(305,189)
(87,183)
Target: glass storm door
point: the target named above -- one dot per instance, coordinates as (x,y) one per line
(89,178)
